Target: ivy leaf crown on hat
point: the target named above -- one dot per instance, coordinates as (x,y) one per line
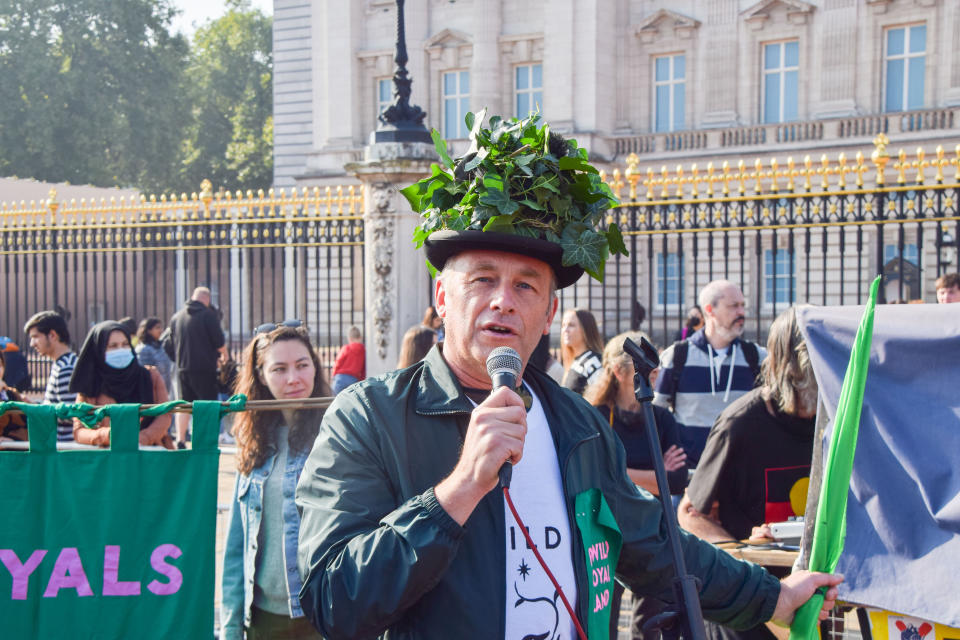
(518,178)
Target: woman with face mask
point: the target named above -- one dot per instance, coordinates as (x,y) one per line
(107,372)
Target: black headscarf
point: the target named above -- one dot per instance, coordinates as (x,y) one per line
(93,376)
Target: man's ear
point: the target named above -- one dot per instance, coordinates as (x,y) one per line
(440,295)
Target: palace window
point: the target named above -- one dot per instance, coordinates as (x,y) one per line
(781,64)
(669,279)
(910,253)
(384,94)
(528,89)
(456,103)
(904,67)
(669,90)
(779,278)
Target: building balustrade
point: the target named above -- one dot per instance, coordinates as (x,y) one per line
(847,130)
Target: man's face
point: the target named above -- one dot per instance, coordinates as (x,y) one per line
(728,314)
(490,299)
(41,342)
(948,294)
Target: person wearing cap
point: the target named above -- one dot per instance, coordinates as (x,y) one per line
(404,532)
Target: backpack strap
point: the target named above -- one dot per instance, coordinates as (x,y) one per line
(752,355)
(680,349)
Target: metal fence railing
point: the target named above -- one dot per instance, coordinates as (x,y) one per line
(266,257)
(798,232)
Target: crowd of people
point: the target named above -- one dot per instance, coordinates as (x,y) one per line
(739,414)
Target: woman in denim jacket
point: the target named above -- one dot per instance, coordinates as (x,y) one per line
(260,583)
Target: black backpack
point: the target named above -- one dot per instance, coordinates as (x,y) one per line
(750,353)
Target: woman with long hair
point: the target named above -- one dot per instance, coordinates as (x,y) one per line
(107,372)
(580,349)
(261,583)
(417,341)
(613,395)
(149,350)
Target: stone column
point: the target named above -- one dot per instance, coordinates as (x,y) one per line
(395,273)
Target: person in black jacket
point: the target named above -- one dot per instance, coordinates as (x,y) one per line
(195,343)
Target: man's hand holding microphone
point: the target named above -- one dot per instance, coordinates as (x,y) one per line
(494,440)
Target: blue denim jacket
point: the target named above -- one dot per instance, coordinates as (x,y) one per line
(240,553)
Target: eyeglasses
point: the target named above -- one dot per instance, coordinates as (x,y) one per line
(267,327)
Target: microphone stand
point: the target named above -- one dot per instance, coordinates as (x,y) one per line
(684,620)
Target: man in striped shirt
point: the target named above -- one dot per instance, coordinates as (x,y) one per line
(49,336)
(703,374)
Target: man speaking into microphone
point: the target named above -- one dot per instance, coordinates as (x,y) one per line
(403,532)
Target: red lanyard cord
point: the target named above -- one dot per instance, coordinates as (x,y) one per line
(533,547)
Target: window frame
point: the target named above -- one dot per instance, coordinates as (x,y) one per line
(672,83)
(662,299)
(771,280)
(781,71)
(459,97)
(536,104)
(381,105)
(911,253)
(906,56)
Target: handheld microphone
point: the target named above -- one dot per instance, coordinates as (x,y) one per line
(503,367)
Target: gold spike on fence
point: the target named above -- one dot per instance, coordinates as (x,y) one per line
(206,219)
(803,176)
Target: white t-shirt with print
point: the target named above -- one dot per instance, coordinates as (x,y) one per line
(533,606)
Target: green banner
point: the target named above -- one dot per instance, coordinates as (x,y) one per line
(831,523)
(601,545)
(107,544)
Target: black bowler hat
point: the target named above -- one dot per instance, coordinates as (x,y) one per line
(442,245)
(519,189)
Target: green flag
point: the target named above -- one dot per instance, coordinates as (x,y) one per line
(109,543)
(831,522)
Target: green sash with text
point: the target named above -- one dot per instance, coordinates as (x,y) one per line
(601,545)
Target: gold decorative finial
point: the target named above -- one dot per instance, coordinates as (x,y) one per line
(206,195)
(901,166)
(616,185)
(880,156)
(632,174)
(52,203)
(920,164)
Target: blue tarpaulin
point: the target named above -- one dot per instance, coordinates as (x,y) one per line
(902,549)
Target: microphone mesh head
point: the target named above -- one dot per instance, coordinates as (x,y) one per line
(504,359)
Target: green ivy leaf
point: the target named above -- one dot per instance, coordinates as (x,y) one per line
(615,240)
(586,249)
(501,201)
(501,224)
(441,146)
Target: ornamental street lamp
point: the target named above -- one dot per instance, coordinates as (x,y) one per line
(401,121)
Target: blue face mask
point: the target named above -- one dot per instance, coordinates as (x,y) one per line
(119,358)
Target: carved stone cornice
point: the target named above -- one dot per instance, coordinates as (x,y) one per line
(798,12)
(651,28)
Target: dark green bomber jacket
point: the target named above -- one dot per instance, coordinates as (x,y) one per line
(379,556)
